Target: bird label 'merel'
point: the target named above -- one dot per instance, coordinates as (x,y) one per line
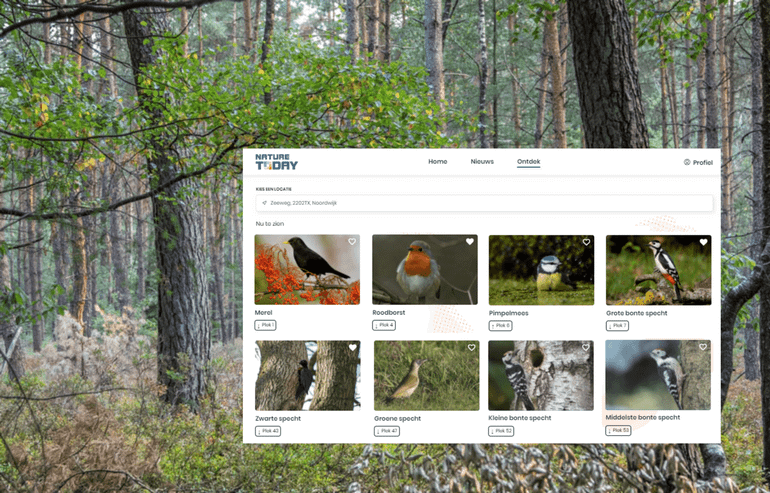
(481,295)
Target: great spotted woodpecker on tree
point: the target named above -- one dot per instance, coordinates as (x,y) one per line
(550,277)
(670,371)
(518,379)
(665,265)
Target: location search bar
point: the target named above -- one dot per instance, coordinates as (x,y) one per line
(484,203)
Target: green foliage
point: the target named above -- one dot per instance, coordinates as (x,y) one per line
(524,292)
(518,256)
(449,380)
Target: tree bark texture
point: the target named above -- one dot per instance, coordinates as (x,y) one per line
(607,75)
(557,82)
(276,385)
(372,28)
(764,337)
(731,304)
(696,363)
(712,135)
(351,18)
(267,40)
(483,76)
(560,374)
(184,327)
(434,55)
(336,365)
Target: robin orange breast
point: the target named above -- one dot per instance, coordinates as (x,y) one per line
(418,274)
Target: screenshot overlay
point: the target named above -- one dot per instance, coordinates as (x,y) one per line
(465,295)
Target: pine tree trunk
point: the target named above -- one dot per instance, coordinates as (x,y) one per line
(557,84)
(372,28)
(434,56)
(607,76)
(687,107)
(542,84)
(751,355)
(712,135)
(267,40)
(483,76)
(351,19)
(764,341)
(247,27)
(184,326)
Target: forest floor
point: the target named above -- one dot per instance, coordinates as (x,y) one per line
(93,420)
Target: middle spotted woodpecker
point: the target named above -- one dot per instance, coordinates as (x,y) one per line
(518,379)
(665,265)
(670,371)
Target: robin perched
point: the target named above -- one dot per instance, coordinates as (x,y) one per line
(418,274)
(309,261)
(409,383)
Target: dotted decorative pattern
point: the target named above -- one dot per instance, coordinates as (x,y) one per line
(447,320)
(665,224)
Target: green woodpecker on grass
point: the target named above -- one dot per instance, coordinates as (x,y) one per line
(409,384)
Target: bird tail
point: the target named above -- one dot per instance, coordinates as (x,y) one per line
(677,292)
(527,403)
(340,274)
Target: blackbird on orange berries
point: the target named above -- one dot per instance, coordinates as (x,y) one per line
(418,274)
(310,262)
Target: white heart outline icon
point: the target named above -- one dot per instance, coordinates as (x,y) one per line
(469,241)
(352,241)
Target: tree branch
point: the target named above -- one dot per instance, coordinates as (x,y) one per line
(69,12)
(216,161)
(731,304)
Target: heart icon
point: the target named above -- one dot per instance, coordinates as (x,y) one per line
(703,241)
(703,346)
(352,241)
(586,346)
(264,202)
(471,346)
(352,346)
(586,241)
(469,241)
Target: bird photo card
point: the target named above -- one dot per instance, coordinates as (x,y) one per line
(307,269)
(425,269)
(541,375)
(308,375)
(658,375)
(426,375)
(541,270)
(659,270)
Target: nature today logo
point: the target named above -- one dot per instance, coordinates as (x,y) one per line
(274,162)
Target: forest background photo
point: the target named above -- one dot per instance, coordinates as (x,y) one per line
(121,126)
